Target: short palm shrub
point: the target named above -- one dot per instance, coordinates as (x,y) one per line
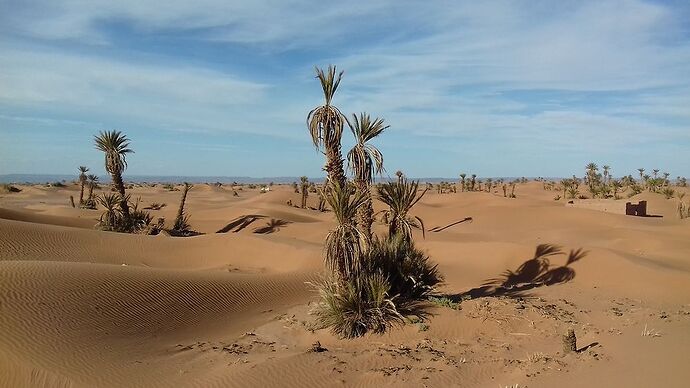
(409,270)
(357,306)
(397,281)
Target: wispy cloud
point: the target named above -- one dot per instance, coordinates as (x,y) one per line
(521,75)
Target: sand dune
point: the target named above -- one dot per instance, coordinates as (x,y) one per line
(85,308)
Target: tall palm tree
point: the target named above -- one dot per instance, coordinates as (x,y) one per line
(400,175)
(82,180)
(400,198)
(606,173)
(365,160)
(641,170)
(93,181)
(325,125)
(114,145)
(182,218)
(655,172)
(345,245)
(473,182)
(305,190)
(462,181)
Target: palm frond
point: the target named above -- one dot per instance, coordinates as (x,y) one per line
(401,196)
(365,160)
(325,122)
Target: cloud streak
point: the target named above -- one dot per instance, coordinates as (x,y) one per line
(522,75)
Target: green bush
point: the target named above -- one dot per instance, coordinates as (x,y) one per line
(357,306)
(395,282)
(408,269)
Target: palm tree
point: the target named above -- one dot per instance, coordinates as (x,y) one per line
(473,181)
(93,181)
(641,170)
(365,160)
(616,185)
(655,172)
(345,245)
(181,223)
(400,198)
(82,180)
(114,145)
(400,175)
(606,173)
(305,190)
(462,181)
(325,125)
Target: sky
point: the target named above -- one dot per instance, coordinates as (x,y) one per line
(223,87)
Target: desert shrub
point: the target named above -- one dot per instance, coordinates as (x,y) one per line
(557,198)
(396,282)
(668,192)
(181,226)
(140,221)
(409,270)
(6,188)
(155,206)
(89,203)
(112,219)
(358,306)
(57,184)
(444,302)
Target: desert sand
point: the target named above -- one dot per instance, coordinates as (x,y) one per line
(86,308)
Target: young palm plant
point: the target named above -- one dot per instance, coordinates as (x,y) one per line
(90,201)
(325,125)
(365,160)
(82,180)
(400,197)
(109,220)
(114,145)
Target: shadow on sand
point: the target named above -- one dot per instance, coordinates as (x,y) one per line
(535,272)
(240,223)
(439,229)
(272,226)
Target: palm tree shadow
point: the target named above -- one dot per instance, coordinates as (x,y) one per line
(272,226)
(240,223)
(535,272)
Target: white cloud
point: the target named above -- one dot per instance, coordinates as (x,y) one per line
(450,69)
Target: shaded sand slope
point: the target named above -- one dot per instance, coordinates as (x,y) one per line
(231,309)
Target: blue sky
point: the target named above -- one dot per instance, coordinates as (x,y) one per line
(222,87)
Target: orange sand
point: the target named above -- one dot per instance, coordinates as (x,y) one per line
(85,308)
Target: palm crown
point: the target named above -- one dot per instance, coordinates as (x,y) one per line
(115,146)
(364,159)
(82,173)
(325,122)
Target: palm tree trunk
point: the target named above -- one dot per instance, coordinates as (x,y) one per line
(365,214)
(334,164)
(90,191)
(120,187)
(81,194)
